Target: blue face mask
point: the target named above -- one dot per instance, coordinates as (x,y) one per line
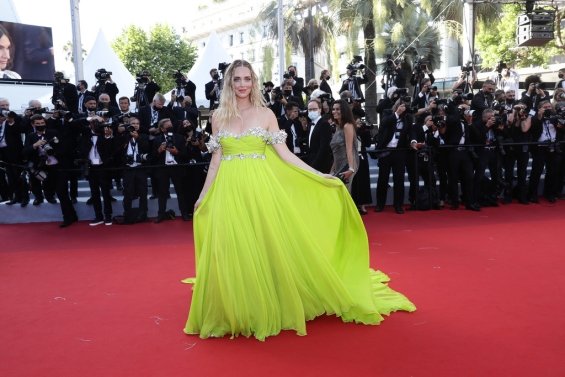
(313,115)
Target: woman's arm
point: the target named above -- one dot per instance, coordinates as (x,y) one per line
(349,131)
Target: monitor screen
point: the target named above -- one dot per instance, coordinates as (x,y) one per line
(26,52)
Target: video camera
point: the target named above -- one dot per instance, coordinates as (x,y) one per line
(460,97)
(102,75)
(467,68)
(420,65)
(500,66)
(356,64)
(142,78)
(169,140)
(222,67)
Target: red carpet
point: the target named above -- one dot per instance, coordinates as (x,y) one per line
(108,301)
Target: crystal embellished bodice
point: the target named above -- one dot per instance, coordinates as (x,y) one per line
(248,144)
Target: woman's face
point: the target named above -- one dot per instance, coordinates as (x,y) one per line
(4,52)
(242,82)
(336,111)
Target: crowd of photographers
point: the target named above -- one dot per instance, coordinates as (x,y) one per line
(446,145)
(94,135)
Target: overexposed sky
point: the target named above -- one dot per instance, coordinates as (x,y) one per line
(109,16)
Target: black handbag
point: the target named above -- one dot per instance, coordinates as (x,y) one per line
(339,174)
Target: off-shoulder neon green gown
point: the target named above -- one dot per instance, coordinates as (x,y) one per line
(277,245)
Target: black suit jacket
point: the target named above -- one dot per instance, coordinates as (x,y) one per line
(179,143)
(417,133)
(106,147)
(319,153)
(387,129)
(12,135)
(211,97)
(145,117)
(297,90)
(142,145)
(82,109)
(454,131)
(326,87)
(31,154)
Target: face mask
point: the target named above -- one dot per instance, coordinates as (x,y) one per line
(40,128)
(167,130)
(288,92)
(313,115)
(216,76)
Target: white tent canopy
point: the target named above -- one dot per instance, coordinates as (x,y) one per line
(103,56)
(209,57)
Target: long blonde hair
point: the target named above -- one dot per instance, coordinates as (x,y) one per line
(227,110)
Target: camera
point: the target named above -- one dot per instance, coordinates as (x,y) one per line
(130,128)
(420,65)
(288,75)
(102,75)
(460,97)
(196,136)
(439,121)
(102,113)
(500,66)
(356,64)
(48,147)
(223,66)
(468,68)
(169,140)
(34,110)
(138,158)
(142,78)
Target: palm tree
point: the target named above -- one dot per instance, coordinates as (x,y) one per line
(300,33)
(352,16)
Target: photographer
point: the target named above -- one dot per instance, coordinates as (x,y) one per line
(185,87)
(361,184)
(459,132)
(505,78)
(516,131)
(419,74)
(425,100)
(484,98)
(547,130)
(534,93)
(392,143)
(11,146)
(186,111)
(281,97)
(39,152)
(561,82)
(291,125)
(195,172)
(212,89)
(169,149)
(65,96)
(145,89)
(355,78)
(98,148)
(83,92)
(297,84)
(466,79)
(310,88)
(489,130)
(150,116)
(423,141)
(134,152)
(267,89)
(125,114)
(104,84)
(324,86)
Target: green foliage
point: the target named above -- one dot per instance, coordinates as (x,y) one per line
(496,41)
(68,51)
(268,63)
(160,51)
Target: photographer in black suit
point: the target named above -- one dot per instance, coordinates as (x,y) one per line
(83,92)
(290,123)
(297,83)
(98,148)
(65,96)
(104,84)
(133,153)
(169,149)
(39,153)
(11,146)
(212,89)
(145,89)
(319,154)
(459,132)
(392,140)
(281,97)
